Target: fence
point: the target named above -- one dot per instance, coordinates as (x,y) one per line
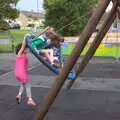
(109,37)
(110,45)
(6,42)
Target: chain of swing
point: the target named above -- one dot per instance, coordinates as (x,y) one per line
(70,23)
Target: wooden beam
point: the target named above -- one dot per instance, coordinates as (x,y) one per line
(118,12)
(59,81)
(96,42)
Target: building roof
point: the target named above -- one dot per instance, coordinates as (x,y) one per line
(34,15)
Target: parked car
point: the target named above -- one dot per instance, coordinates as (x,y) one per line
(15,26)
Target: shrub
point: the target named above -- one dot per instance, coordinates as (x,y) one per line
(30,25)
(4,25)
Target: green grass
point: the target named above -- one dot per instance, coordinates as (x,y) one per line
(16,35)
(4,34)
(5,48)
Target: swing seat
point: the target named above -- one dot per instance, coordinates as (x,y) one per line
(32,45)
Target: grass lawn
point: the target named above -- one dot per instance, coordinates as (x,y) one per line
(4,48)
(18,35)
(4,34)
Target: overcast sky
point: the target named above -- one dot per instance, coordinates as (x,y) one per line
(35,5)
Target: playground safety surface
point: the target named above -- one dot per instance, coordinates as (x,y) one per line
(74,105)
(94,96)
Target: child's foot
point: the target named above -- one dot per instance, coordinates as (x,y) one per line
(18,99)
(31,102)
(52,64)
(57,65)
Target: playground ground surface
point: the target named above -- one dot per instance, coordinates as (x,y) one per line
(94,96)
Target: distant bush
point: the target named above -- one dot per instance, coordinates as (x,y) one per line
(30,25)
(15,26)
(4,25)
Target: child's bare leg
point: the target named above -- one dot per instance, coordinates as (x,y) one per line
(28,92)
(55,58)
(21,89)
(48,54)
(18,97)
(50,51)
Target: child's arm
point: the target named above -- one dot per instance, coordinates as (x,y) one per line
(21,50)
(23,46)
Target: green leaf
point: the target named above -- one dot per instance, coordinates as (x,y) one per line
(60,13)
(7,11)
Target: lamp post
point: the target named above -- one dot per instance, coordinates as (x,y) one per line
(37,6)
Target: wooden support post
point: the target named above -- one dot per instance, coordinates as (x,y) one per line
(95,44)
(59,81)
(119,11)
(116,25)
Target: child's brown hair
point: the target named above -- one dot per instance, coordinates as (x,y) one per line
(62,39)
(18,47)
(55,40)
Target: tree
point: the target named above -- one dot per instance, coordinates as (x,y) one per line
(62,12)
(7,11)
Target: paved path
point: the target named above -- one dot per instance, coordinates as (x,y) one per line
(94,96)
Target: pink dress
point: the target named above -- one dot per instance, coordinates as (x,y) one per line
(21,68)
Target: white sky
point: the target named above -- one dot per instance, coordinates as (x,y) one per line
(35,5)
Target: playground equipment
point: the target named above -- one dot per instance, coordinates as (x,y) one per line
(85,35)
(37,42)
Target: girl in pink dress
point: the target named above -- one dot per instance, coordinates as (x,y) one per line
(21,73)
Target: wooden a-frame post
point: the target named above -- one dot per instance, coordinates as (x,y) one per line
(59,81)
(96,42)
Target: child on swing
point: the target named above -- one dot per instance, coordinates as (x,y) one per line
(21,73)
(42,41)
(55,45)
